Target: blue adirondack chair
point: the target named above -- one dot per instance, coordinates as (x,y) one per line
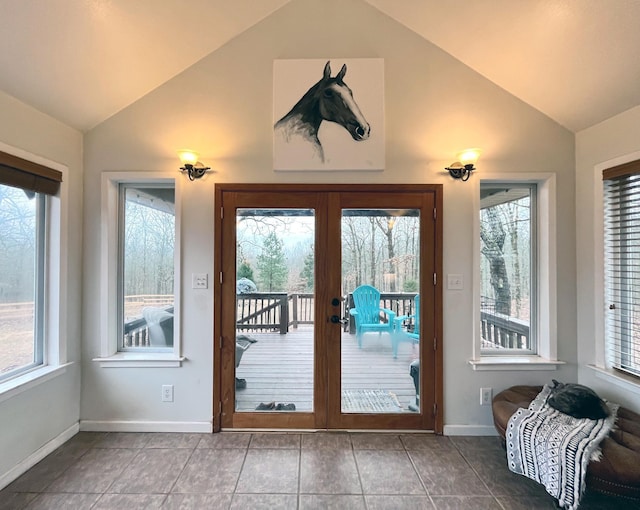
(368,313)
(401,334)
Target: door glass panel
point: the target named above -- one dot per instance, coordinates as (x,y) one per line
(380,283)
(274,353)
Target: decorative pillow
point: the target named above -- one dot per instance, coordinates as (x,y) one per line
(577,400)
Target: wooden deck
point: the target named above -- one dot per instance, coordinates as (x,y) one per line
(279,368)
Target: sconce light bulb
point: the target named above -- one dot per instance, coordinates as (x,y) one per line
(188,157)
(469,156)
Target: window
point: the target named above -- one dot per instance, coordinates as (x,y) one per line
(21,279)
(621,187)
(25,219)
(140,272)
(508,268)
(146,266)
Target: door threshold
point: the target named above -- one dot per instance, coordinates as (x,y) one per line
(338,431)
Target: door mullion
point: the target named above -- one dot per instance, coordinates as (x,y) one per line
(322,326)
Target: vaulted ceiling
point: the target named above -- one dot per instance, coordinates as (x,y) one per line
(82,61)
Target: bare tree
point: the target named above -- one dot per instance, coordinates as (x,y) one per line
(493,236)
(17,244)
(386,227)
(353,242)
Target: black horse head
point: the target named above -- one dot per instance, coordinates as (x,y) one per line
(332,100)
(336,104)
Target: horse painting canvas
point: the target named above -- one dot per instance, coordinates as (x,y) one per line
(329,114)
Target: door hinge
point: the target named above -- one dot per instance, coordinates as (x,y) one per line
(435,213)
(435,343)
(435,409)
(435,279)
(220,277)
(221,212)
(220,345)
(220,408)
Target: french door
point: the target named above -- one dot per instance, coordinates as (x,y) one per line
(296,344)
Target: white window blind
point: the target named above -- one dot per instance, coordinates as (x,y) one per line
(622,266)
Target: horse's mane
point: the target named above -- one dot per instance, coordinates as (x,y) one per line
(306,108)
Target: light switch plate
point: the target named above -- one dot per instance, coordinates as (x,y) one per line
(455,282)
(199,281)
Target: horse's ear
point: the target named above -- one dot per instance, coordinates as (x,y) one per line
(341,74)
(327,70)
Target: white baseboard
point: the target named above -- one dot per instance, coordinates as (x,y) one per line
(470,430)
(146,426)
(38,455)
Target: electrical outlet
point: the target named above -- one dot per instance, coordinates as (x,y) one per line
(167,392)
(485,396)
(199,281)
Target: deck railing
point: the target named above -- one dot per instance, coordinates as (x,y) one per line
(263,311)
(136,331)
(274,311)
(500,331)
(278,311)
(301,309)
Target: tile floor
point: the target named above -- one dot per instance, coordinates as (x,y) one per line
(235,470)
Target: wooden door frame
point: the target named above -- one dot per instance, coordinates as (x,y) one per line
(434,386)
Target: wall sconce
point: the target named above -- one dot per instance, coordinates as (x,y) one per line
(462,168)
(191,165)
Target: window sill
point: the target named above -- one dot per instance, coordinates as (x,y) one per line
(141,360)
(497,363)
(626,382)
(31,379)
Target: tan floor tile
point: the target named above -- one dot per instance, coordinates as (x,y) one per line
(387,472)
(211,471)
(331,502)
(329,472)
(270,472)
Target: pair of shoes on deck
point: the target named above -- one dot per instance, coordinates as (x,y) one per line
(272,406)
(266,407)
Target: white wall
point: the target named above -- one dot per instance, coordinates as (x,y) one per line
(222,106)
(611,142)
(39,415)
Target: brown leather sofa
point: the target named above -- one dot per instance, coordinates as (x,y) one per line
(618,472)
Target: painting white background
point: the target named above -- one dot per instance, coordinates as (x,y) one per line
(365,78)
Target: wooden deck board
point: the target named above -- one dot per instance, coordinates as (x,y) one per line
(279,368)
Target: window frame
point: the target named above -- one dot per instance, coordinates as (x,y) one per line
(110,353)
(53,297)
(122,219)
(533,277)
(599,365)
(616,335)
(42,241)
(545,284)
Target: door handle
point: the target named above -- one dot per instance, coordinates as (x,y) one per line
(336,301)
(337,320)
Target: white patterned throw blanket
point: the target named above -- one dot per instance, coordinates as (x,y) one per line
(554,448)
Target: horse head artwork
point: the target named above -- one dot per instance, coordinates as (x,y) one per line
(329,99)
